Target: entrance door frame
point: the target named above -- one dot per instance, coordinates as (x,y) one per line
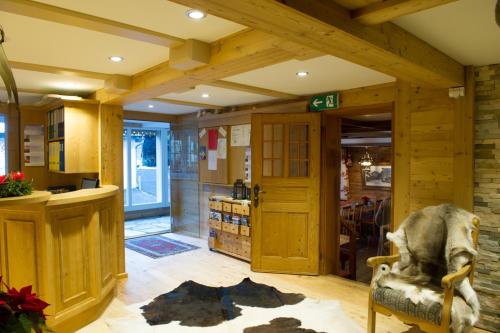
(163,170)
(331,154)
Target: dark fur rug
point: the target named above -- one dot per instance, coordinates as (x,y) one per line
(194,304)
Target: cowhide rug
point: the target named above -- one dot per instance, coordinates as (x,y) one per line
(247,307)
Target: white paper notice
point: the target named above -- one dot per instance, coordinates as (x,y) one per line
(212,160)
(202,133)
(240,135)
(222,149)
(222,131)
(34,145)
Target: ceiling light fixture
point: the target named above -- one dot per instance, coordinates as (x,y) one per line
(366,161)
(151,106)
(205,95)
(116,58)
(302,74)
(195,14)
(65,97)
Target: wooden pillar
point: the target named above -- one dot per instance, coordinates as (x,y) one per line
(464,145)
(111,169)
(331,155)
(401,154)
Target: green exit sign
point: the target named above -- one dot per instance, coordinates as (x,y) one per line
(324,102)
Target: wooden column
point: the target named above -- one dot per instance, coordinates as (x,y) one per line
(111,169)
(464,145)
(402,154)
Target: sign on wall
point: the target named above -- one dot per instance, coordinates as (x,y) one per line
(324,102)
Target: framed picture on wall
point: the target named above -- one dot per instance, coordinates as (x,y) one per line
(378,177)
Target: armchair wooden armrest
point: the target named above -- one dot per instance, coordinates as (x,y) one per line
(448,280)
(377,261)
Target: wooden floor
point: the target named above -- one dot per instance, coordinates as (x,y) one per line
(149,278)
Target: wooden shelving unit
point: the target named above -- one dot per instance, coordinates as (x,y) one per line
(73,141)
(230,227)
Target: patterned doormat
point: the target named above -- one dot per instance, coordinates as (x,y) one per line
(158,246)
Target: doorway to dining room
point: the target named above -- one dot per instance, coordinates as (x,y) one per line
(358,171)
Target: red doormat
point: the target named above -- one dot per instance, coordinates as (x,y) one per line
(158,246)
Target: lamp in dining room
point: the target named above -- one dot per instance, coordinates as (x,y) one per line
(366,161)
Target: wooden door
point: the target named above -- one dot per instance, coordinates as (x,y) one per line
(286,176)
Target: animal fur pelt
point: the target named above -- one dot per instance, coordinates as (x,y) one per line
(433,242)
(462,316)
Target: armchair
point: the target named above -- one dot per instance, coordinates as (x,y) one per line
(432,318)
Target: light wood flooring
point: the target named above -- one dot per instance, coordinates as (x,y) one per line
(149,278)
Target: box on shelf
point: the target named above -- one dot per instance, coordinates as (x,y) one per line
(214,224)
(231,228)
(244,230)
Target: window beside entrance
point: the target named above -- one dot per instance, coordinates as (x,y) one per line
(3,145)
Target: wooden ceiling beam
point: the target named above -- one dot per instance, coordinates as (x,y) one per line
(386,48)
(250,89)
(51,13)
(388,10)
(58,70)
(235,54)
(187,103)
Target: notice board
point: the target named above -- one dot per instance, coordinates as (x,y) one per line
(213,154)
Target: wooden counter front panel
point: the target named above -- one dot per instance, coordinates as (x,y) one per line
(18,249)
(107,236)
(71,255)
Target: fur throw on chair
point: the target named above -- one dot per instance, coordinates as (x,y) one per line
(433,242)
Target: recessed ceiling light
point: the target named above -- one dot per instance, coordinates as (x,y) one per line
(116,59)
(151,106)
(205,95)
(195,14)
(302,74)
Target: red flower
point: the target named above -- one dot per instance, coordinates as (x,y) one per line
(24,300)
(17,176)
(3,179)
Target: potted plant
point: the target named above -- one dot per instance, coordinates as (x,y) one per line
(14,185)
(21,311)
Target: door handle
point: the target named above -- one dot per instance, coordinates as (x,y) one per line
(256,192)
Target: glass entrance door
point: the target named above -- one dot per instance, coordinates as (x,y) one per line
(145,167)
(3,145)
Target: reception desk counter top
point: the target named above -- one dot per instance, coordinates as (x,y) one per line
(65,246)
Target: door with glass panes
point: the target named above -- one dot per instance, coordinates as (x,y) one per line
(286,192)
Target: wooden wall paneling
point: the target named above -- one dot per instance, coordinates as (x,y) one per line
(221,175)
(330,182)
(148,116)
(464,145)
(111,170)
(401,154)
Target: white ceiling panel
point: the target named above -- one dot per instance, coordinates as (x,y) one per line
(326,73)
(160,107)
(465,30)
(55,83)
(41,42)
(24,98)
(157,15)
(218,96)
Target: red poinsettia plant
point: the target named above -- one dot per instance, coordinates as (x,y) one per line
(365,199)
(21,311)
(14,185)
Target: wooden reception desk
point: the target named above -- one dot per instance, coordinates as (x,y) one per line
(65,245)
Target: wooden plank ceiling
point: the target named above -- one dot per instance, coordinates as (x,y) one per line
(354,30)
